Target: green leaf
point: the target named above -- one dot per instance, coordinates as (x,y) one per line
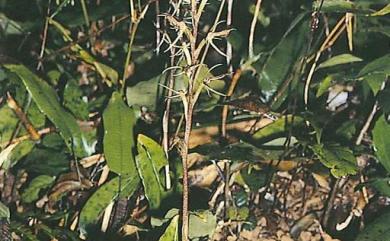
(13,153)
(340,160)
(375,81)
(118,142)
(31,193)
(240,151)
(123,186)
(382,185)
(255,179)
(158,222)
(379,65)
(73,100)
(144,93)
(150,160)
(202,224)
(235,213)
(339,59)
(384,100)
(283,57)
(381,139)
(278,127)
(383,11)
(324,85)
(47,101)
(9,27)
(109,75)
(8,123)
(378,230)
(4,212)
(342,6)
(172,231)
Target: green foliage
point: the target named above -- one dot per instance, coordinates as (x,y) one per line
(4,211)
(150,160)
(119,186)
(47,100)
(118,142)
(172,231)
(31,193)
(278,127)
(378,230)
(81,49)
(381,133)
(339,59)
(340,160)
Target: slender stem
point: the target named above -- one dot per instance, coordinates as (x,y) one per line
(252,30)
(185,214)
(158,26)
(165,126)
(229,48)
(134,27)
(85,12)
(188,126)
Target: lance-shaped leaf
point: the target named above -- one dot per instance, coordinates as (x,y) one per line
(47,101)
(382,142)
(123,186)
(118,142)
(339,59)
(150,160)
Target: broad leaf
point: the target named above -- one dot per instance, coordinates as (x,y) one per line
(47,100)
(283,57)
(378,230)
(118,142)
(339,59)
(381,139)
(123,186)
(31,193)
(172,231)
(340,160)
(202,224)
(150,160)
(379,65)
(324,85)
(382,185)
(144,93)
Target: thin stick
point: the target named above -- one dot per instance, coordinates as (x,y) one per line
(229,48)
(329,41)
(158,26)
(135,20)
(229,93)
(252,30)
(23,118)
(44,38)
(165,126)
(85,12)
